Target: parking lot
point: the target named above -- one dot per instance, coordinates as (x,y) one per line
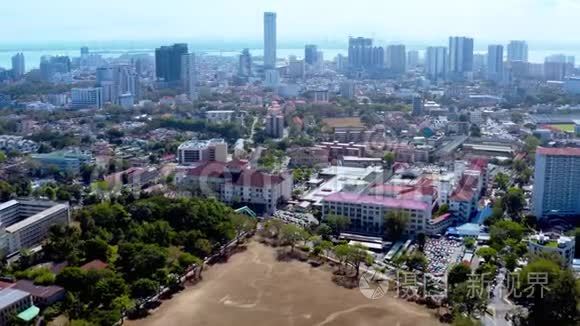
(441,254)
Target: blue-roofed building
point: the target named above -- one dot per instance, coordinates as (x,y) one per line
(483,215)
(13,302)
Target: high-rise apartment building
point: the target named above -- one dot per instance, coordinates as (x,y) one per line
(51,66)
(495,63)
(118,80)
(412,59)
(189,75)
(245,64)
(359,52)
(18,67)
(436,62)
(270,40)
(275,125)
(311,54)
(557,182)
(347,89)
(168,62)
(460,56)
(517,51)
(397,58)
(87,97)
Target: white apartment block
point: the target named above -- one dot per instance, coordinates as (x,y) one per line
(25,223)
(218,116)
(367,212)
(199,151)
(235,184)
(560,245)
(557,182)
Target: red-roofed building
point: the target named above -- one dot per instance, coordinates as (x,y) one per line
(234,183)
(95,265)
(464,198)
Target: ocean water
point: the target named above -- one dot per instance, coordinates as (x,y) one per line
(33,54)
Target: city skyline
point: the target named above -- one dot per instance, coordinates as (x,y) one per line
(490,21)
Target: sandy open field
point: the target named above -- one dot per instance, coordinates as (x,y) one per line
(254,289)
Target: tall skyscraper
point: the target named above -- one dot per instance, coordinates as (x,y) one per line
(84,51)
(557,182)
(18,67)
(517,51)
(360,52)
(412,59)
(397,58)
(168,62)
(311,54)
(270,40)
(495,62)
(116,81)
(460,56)
(377,57)
(245,65)
(436,62)
(189,75)
(275,125)
(555,67)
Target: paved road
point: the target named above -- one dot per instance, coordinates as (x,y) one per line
(499,304)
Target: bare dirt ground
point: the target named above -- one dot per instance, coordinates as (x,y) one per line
(254,289)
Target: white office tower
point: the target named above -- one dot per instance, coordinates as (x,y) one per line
(189,75)
(18,67)
(435,62)
(517,51)
(275,125)
(269,40)
(91,97)
(495,63)
(557,182)
(272,78)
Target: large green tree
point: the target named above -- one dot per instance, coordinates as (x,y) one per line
(395,224)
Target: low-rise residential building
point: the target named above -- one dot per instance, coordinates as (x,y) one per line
(199,151)
(218,116)
(13,302)
(337,149)
(135,177)
(367,213)
(18,144)
(67,161)
(42,296)
(25,223)
(553,244)
(308,156)
(236,184)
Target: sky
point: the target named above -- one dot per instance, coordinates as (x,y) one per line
(387,21)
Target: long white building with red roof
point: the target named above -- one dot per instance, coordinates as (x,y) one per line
(236,184)
(557,182)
